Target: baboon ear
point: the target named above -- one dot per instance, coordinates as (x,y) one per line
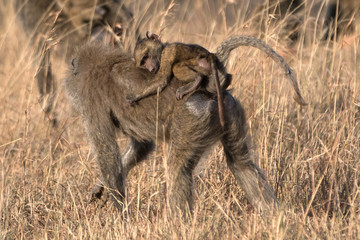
(152,36)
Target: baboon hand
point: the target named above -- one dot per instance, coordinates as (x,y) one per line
(130,99)
(179,94)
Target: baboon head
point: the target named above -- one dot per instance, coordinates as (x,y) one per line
(112,20)
(147,53)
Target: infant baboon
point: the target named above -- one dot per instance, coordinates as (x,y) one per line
(190,69)
(190,126)
(189,63)
(186,63)
(68,23)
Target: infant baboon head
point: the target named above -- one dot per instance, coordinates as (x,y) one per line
(147,53)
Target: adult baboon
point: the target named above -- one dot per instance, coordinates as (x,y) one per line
(101,78)
(340,17)
(281,8)
(70,23)
(277,10)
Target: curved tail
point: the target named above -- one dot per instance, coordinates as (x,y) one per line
(224,49)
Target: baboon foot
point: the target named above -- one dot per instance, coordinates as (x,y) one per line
(180,94)
(96,192)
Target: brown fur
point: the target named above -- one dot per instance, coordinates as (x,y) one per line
(182,61)
(189,63)
(190,126)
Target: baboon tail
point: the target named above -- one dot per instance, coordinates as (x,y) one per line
(224,49)
(219,92)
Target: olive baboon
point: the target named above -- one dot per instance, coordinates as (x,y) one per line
(340,17)
(280,8)
(273,11)
(103,77)
(189,63)
(185,62)
(72,22)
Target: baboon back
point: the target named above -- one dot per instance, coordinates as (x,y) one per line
(116,75)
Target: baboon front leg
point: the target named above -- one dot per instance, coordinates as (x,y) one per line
(103,140)
(152,89)
(134,153)
(161,80)
(249,176)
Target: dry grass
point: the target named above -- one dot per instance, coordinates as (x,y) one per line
(310,155)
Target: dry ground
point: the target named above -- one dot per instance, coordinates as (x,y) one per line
(310,155)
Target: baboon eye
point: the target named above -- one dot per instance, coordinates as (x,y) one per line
(143,60)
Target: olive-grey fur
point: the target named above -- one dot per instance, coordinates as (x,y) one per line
(97,86)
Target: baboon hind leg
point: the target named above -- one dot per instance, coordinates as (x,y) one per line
(134,153)
(190,71)
(194,128)
(248,175)
(188,88)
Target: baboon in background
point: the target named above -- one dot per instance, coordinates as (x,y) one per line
(103,76)
(293,9)
(340,17)
(284,7)
(70,23)
(276,10)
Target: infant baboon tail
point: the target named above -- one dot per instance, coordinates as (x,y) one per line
(219,92)
(224,49)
